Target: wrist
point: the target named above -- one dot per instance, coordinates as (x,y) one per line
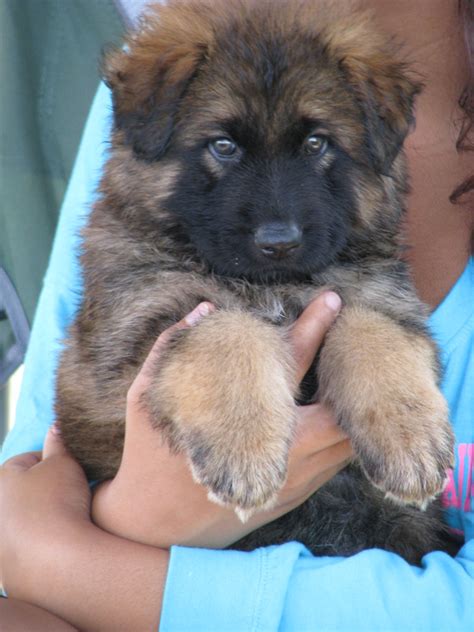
(42,566)
(113,510)
(102,506)
(163,522)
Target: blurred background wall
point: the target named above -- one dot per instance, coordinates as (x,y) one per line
(49,71)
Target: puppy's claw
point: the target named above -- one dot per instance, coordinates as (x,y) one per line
(247,483)
(244,514)
(421,504)
(414,473)
(214,498)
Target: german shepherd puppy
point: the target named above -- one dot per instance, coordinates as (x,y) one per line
(256,160)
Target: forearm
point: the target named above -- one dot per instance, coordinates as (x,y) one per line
(18,615)
(101,582)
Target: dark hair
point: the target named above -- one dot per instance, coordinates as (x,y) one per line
(465,141)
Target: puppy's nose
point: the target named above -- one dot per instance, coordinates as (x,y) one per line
(278,239)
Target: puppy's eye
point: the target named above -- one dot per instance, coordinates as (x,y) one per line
(315,145)
(222,148)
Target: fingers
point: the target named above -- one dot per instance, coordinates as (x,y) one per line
(53,446)
(53,443)
(336,456)
(139,384)
(23,461)
(199,312)
(323,475)
(317,427)
(309,330)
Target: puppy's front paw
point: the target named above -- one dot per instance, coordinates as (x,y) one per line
(381,381)
(246,474)
(224,394)
(409,462)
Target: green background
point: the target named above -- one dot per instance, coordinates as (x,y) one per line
(50,52)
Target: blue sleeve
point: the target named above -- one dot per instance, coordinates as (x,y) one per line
(286,588)
(61,288)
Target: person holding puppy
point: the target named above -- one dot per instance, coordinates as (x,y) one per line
(281,585)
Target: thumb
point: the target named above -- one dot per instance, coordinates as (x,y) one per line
(53,443)
(141,381)
(22,462)
(308,332)
(199,312)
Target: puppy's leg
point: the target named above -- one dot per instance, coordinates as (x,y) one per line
(224,393)
(381,380)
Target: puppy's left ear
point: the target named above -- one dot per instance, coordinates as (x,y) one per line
(383,84)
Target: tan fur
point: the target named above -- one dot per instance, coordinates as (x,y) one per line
(379,379)
(131,179)
(228,386)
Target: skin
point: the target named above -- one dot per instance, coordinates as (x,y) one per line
(30,617)
(99,567)
(438,232)
(47,504)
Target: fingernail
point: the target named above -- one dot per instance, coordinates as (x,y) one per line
(55,428)
(203,309)
(333,301)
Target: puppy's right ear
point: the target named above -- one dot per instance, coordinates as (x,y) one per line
(150,74)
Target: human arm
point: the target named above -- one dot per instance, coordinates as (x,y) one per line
(16,615)
(274,587)
(52,555)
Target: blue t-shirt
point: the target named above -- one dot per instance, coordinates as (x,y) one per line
(281,587)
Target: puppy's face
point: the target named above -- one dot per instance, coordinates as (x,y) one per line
(279,155)
(267,176)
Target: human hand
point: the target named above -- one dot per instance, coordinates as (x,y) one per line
(56,565)
(41,501)
(153,498)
